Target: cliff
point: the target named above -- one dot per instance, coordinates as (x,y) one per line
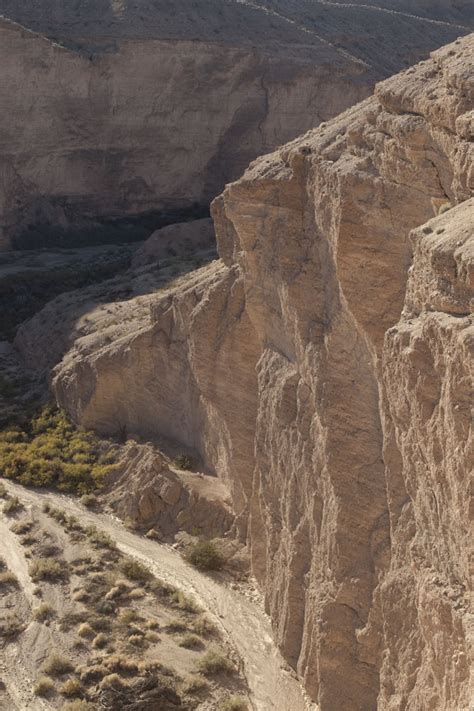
(320,368)
(129,110)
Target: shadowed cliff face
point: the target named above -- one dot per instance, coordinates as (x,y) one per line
(155,107)
(320,368)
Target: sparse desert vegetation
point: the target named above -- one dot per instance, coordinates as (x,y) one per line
(214,662)
(43,686)
(119,632)
(205,555)
(12,505)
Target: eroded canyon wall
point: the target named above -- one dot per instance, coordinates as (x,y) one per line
(120,109)
(321,369)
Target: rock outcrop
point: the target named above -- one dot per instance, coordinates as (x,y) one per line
(183,239)
(320,368)
(148,491)
(133,109)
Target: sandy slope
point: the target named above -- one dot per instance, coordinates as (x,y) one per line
(271,684)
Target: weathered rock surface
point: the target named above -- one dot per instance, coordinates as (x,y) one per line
(155,106)
(427,373)
(147,490)
(327,389)
(182,239)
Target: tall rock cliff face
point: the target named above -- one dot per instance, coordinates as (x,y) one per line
(320,368)
(152,107)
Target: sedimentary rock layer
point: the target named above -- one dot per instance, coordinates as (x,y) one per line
(155,106)
(321,368)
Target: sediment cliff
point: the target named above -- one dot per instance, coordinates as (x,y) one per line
(117,110)
(321,369)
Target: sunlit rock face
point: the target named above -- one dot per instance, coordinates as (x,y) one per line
(116,110)
(320,368)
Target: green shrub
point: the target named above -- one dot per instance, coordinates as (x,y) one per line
(89,501)
(3,490)
(184,461)
(214,662)
(50,451)
(134,570)
(204,555)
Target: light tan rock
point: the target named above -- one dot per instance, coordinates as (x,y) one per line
(330,396)
(131,109)
(180,239)
(427,377)
(148,491)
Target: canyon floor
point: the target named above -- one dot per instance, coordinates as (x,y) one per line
(236,619)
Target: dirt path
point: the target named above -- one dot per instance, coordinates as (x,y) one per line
(272,685)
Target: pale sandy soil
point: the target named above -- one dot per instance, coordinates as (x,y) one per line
(243,624)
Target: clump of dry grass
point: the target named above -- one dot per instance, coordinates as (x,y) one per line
(80,595)
(43,612)
(50,569)
(128,615)
(113,681)
(57,665)
(138,640)
(204,627)
(8,579)
(190,641)
(214,662)
(183,602)
(100,641)
(86,631)
(177,625)
(151,636)
(153,625)
(43,686)
(23,526)
(195,685)
(12,505)
(11,627)
(122,665)
(71,688)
